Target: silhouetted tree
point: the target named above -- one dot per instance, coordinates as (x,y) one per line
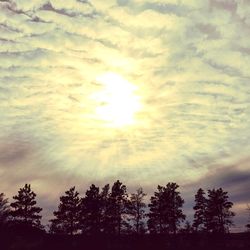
(56,227)
(24,207)
(68,214)
(91,211)
(116,211)
(165,210)
(4,210)
(200,207)
(219,216)
(137,211)
(187,229)
(106,216)
(248,225)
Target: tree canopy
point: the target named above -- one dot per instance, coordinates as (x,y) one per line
(113,211)
(24,208)
(68,213)
(200,208)
(117,205)
(137,211)
(4,210)
(219,214)
(92,206)
(165,210)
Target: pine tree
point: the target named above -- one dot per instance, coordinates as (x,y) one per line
(91,211)
(248,225)
(156,214)
(219,216)
(188,229)
(137,211)
(4,210)
(24,208)
(165,210)
(67,215)
(200,207)
(106,218)
(117,208)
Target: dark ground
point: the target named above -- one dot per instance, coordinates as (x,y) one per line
(33,239)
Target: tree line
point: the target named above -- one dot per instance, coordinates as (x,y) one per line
(111,210)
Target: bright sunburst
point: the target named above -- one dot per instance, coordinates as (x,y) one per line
(117,100)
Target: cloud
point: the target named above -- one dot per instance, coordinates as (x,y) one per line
(189,62)
(233,178)
(230,6)
(13,152)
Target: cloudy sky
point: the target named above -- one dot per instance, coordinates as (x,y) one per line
(145,91)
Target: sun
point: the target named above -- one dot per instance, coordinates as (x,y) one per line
(117,100)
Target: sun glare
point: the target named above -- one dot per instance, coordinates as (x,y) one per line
(117,101)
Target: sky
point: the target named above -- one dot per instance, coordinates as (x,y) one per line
(144,91)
